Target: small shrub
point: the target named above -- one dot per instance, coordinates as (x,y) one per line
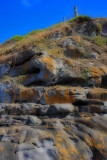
(85,54)
(17,38)
(81,19)
(85,73)
(100,41)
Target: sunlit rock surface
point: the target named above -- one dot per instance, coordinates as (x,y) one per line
(53,96)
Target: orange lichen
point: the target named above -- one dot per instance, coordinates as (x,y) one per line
(76,38)
(99,142)
(49,63)
(75,52)
(88,140)
(67,148)
(24,94)
(63,151)
(60,97)
(97,93)
(104,69)
(27,94)
(1,149)
(88,119)
(2,131)
(96,72)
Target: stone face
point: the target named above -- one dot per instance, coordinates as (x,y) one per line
(53,103)
(69,138)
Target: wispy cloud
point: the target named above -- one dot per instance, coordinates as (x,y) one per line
(29,3)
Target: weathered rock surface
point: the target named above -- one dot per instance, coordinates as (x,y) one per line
(54,107)
(89,28)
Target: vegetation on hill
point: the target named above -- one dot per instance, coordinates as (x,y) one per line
(17,38)
(81,19)
(98,40)
(53,93)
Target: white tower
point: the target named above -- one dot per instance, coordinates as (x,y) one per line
(76,11)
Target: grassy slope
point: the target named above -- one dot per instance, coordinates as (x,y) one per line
(41,39)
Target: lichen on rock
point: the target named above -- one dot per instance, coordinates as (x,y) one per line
(53,94)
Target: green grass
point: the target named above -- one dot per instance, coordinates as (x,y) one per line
(18,38)
(81,19)
(98,40)
(33,32)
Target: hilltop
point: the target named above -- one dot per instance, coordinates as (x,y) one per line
(53,93)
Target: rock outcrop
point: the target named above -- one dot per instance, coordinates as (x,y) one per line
(53,107)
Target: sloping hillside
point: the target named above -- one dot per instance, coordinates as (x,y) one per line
(53,93)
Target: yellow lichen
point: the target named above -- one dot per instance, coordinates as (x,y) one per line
(63,151)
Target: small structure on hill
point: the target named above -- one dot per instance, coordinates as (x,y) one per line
(75,11)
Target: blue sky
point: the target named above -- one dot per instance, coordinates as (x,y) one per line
(18,17)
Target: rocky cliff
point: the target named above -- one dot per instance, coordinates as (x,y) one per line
(53,94)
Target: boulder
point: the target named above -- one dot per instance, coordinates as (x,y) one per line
(94,55)
(60,109)
(46,151)
(89,28)
(43,110)
(33,120)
